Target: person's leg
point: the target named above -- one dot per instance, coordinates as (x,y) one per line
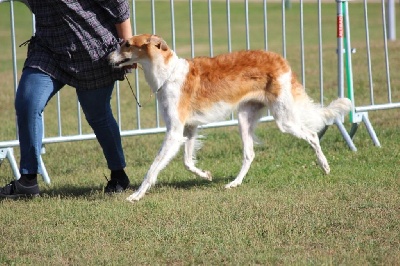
(34,91)
(97,109)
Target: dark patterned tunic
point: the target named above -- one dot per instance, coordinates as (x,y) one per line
(73,38)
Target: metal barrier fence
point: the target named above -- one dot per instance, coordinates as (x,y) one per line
(359,113)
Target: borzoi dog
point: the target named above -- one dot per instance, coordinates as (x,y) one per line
(203,90)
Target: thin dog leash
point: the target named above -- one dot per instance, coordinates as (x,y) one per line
(134,95)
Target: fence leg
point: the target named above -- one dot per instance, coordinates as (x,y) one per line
(353,130)
(345,135)
(8,153)
(322,132)
(363,117)
(45,175)
(370,130)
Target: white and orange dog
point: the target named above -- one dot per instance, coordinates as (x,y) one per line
(203,90)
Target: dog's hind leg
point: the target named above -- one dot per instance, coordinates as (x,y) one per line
(190,133)
(310,137)
(288,123)
(288,120)
(170,147)
(248,115)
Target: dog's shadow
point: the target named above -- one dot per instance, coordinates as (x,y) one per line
(192,182)
(75,191)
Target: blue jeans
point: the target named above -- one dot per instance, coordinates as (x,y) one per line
(35,89)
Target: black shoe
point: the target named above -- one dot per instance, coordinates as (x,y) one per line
(116,184)
(15,190)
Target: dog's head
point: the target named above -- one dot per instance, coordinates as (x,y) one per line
(138,49)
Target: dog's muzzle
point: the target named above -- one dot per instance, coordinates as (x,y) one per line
(121,62)
(116,60)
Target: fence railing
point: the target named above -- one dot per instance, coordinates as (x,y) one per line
(161,13)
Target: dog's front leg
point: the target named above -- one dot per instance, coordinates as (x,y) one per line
(189,155)
(247,116)
(170,147)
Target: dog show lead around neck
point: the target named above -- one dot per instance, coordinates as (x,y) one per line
(197,91)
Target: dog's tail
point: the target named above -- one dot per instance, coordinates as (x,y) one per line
(316,117)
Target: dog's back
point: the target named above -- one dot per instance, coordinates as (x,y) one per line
(221,83)
(237,74)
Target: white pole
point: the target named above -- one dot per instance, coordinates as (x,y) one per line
(391,20)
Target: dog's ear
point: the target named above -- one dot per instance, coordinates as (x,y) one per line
(162,45)
(158,42)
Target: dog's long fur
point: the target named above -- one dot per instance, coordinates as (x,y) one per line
(203,90)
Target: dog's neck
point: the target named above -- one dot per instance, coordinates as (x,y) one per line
(157,73)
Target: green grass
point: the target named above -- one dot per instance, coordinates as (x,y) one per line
(286,212)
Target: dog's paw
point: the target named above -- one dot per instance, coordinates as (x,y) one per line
(204,174)
(327,169)
(134,197)
(208,176)
(138,194)
(233,184)
(323,163)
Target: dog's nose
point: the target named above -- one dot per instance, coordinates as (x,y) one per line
(127,44)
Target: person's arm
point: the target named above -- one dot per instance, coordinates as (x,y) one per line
(124,29)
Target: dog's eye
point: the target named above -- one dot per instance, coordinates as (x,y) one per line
(127,44)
